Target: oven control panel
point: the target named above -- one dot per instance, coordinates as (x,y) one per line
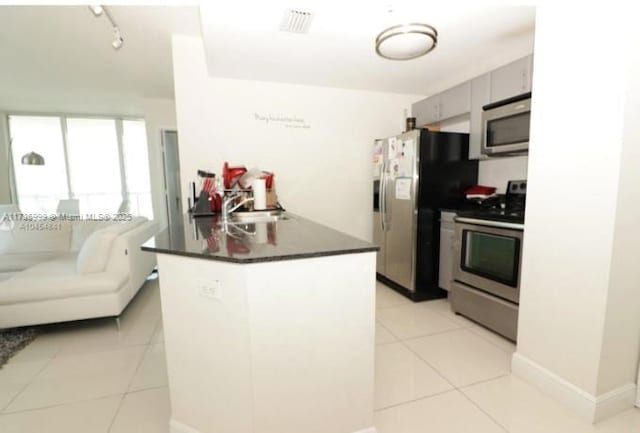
(517,187)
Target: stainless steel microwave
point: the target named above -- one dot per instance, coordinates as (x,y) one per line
(505,126)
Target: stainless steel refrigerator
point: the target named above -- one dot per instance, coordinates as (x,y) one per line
(416,174)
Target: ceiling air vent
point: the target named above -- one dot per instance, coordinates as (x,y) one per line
(296,21)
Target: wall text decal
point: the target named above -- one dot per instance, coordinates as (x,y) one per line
(282,120)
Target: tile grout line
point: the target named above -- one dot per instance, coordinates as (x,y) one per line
(471,326)
(492,342)
(389,331)
(432,334)
(155,330)
(60,353)
(4,412)
(414,400)
(461,391)
(403,342)
(431,366)
(151,388)
(478,382)
(63,354)
(133,376)
(29,382)
(60,404)
(455,388)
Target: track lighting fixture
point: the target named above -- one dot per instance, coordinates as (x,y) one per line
(98,11)
(117,39)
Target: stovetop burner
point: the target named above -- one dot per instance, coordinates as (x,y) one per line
(504,215)
(509,209)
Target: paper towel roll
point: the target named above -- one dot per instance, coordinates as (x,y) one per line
(262,233)
(258,186)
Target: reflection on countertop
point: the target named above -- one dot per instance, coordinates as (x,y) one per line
(295,238)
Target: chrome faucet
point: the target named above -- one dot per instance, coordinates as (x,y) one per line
(229,202)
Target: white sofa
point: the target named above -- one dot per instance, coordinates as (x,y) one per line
(79,270)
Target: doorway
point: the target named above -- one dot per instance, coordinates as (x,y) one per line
(171,168)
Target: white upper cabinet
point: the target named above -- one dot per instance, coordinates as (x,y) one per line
(480,94)
(511,79)
(469,97)
(455,101)
(426,111)
(445,105)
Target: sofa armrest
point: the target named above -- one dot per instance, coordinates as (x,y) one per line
(141,263)
(128,255)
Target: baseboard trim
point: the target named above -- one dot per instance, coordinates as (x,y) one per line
(589,407)
(178,427)
(367,430)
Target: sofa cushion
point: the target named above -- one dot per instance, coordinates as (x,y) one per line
(123,227)
(57,279)
(36,238)
(94,254)
(6,275)
(6,238)
(21,261)
(81,230)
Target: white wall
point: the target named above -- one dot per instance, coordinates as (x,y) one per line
(498,171)
(322,161)
(159,114)
(619,360)
(494,172)
(580,299)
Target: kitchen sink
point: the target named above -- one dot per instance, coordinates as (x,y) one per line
(260,216)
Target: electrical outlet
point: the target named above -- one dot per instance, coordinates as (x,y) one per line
(209,288)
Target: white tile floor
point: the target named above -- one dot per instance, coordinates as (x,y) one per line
(435,372)
(91,376)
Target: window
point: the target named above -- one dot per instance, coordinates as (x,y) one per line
(100,161)
(136,167)
(94,164)
(39,188)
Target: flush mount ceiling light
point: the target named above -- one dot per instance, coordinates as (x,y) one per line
(98,11)
(406,41)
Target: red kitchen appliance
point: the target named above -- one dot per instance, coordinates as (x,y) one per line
(231,175)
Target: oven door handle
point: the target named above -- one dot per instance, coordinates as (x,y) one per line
(490,223)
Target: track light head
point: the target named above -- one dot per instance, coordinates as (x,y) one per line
(117,39)
(97,10)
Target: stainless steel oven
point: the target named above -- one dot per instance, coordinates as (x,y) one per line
(486,274)
(505,126)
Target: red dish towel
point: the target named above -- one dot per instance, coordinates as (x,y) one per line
(480,190)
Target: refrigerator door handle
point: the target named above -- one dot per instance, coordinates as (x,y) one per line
(383,192)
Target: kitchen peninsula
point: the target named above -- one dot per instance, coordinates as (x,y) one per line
(269,326)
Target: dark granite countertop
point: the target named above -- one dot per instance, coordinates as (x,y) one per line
(295,238)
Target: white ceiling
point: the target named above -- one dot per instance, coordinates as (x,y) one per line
(60,57)
(242,41)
